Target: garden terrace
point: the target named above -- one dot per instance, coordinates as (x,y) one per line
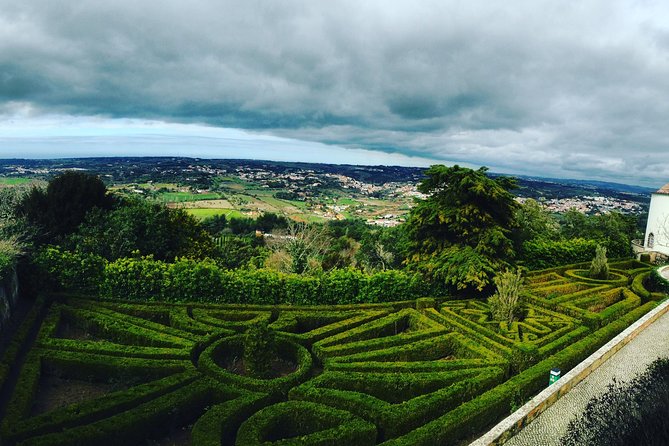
(81,370)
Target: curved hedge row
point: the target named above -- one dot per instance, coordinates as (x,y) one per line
(426,371)
(300,422)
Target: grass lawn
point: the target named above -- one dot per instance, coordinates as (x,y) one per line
(176,197)
(11,181)
(203,213)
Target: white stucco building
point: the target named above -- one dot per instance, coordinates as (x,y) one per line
(657,228)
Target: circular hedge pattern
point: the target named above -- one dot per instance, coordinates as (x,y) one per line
(109,372)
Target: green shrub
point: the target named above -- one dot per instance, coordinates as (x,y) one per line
(66,270)
(259,350)
(398,402)
(657,282)
(506,304)
(599,268)
(139,423)
(189,280)
(343,286)
(392,285)
(134,279)
(219,424)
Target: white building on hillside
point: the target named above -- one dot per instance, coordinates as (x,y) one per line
(657,228)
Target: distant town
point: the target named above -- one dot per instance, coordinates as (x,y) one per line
(380,195)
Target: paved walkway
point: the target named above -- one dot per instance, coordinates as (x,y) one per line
(632,359)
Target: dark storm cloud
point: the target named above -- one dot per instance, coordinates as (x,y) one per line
(570,89)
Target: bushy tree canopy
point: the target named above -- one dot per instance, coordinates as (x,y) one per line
(61,208)
(465,211)
(144,227)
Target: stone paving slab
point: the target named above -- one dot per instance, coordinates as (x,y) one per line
(629,361)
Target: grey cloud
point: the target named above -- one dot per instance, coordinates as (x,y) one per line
(533,87)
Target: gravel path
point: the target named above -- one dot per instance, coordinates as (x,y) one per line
(632,359)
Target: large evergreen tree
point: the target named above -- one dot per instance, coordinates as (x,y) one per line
(461,233)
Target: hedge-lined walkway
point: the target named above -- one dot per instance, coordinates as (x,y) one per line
(632,359)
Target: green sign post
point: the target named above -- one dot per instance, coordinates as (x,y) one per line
(555,375)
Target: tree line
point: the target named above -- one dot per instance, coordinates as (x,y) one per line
(468,229)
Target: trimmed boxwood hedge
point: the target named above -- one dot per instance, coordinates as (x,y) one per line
(375,397)
(477,414)
(301,422)
(187,280)
(234,346)
(425,371)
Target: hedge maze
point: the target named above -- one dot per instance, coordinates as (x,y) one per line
(84,371)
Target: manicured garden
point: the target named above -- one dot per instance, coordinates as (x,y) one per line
(83,370)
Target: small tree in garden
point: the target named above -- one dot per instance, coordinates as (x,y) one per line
(259,351)
(506,303)
(599,268)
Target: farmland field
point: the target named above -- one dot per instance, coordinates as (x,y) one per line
(176,197)
(203,213)
(89,371)
(6,181)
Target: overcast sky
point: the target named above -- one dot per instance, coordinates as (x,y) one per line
(576,89)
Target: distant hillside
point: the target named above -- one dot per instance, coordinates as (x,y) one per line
(177,169)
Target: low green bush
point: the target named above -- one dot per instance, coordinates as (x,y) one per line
(309,327)
(449,319)
(394,329)
(24,394)
(72,271)
(90,411)
(259,350)
(657,282)
(11,355)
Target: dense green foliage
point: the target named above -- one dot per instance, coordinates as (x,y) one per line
(466,231)
(656,282)
(15,234)
(546,240)
(541,254)
(613,230)
(461,234)
(259,350)
(506,304)
(145,278)
(60,208)
(144,228)
(599,268)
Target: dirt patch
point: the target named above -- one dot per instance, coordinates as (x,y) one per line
(55,392)
(279,367)
(70,331)
(178,437)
